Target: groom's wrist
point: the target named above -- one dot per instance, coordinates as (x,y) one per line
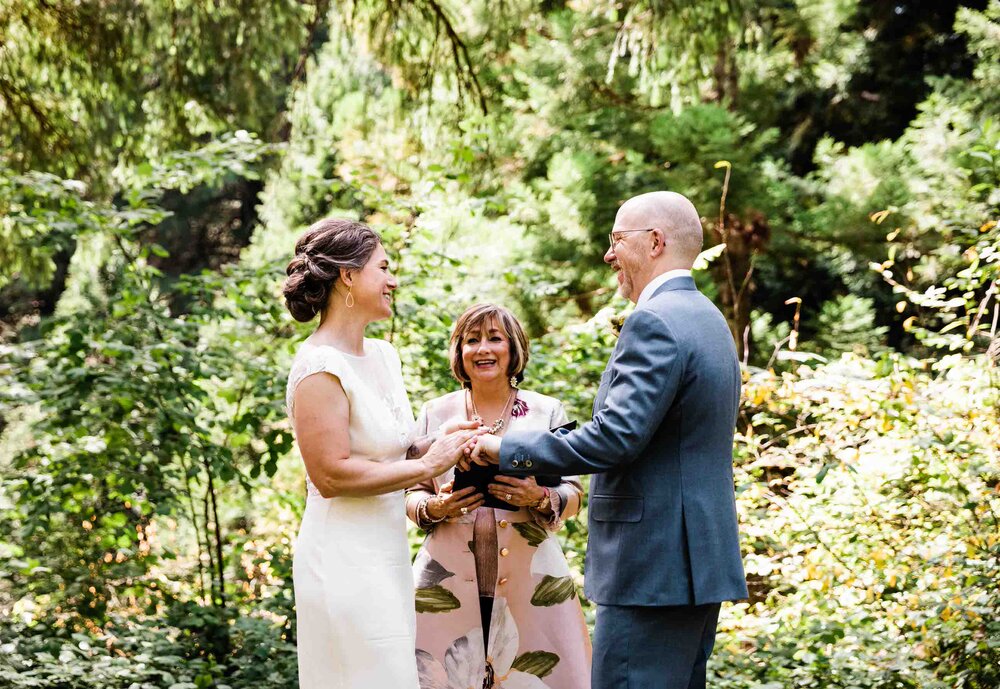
(542,503)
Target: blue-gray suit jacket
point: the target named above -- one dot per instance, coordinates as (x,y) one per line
(663,528)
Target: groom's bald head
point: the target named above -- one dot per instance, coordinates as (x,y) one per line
(674,216)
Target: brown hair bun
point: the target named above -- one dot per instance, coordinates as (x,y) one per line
(324,249)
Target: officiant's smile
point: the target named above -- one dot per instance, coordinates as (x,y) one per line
(486,353)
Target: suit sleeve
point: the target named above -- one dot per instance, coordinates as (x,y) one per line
(646,375)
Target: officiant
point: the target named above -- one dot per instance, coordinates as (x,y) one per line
(492,582)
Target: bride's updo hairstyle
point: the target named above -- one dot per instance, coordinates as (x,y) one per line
(326,247)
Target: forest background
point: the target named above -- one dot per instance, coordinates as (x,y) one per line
(158,159)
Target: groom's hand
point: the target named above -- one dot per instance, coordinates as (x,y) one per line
(483,450)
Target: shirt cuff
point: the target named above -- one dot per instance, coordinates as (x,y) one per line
(550,522)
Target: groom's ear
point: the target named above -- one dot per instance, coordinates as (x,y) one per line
(659,243)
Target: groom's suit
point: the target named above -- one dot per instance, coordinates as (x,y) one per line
(663,550)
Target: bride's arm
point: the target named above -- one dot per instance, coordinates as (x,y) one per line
(322,419)
(420,446)
(423,443)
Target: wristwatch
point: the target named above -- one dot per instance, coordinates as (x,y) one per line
(544,502)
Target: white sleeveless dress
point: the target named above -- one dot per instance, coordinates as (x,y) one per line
(354,595)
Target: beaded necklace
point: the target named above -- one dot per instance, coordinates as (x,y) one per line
(499,424)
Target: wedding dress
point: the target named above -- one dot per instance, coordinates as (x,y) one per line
(351,569)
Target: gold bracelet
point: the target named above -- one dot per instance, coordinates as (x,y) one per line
(425,515)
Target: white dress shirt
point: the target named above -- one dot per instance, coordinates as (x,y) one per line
(655,283)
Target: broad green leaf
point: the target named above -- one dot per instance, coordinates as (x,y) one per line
(436,599)
(537,663)
(552,591)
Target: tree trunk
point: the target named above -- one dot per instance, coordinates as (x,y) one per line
(733,272)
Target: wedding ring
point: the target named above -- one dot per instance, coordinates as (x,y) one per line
(507,497)
(465,510)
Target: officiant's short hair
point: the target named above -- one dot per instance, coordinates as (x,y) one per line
(473,320)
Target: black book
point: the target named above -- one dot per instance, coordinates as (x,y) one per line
(482,476)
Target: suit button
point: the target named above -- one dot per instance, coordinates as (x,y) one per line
(502,581)
(503,523)
(504,552)
(527,464)
(516,463)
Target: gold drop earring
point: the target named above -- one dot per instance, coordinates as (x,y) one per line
(350,299)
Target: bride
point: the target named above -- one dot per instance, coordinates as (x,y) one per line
(353,423)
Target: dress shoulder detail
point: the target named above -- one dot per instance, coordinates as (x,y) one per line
(314,359)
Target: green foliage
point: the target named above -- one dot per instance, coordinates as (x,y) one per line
(85,84)
(692,141)
(148,657)
(868,490)
(42,215)
(148,412)
(847,324)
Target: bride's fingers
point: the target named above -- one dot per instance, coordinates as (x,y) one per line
(462,438)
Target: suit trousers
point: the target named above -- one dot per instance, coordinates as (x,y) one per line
(653,647)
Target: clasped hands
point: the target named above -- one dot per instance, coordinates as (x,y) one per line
(481,448)
(457,442)
(476,445)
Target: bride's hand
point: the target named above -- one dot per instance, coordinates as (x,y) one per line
(445,452)
(448,505)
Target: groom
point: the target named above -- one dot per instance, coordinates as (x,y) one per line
(663,551)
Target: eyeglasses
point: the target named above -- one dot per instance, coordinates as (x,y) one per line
(611,235)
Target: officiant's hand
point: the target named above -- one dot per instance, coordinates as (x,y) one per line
(520,492)
(447,505)
(483,450)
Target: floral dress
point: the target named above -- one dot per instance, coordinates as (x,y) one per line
(538,638)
